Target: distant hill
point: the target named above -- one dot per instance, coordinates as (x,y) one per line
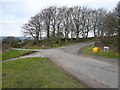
(1,37)
(21,37)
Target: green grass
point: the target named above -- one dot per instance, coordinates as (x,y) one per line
(88,51)
(0,56)
(11,53)
(0,74)
(36,73)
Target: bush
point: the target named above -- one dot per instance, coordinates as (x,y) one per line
(110,40)
(11,41)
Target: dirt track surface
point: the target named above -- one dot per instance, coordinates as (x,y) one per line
(95,73)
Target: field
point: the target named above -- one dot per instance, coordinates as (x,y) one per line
(11,53)
(88,51)
(36,73)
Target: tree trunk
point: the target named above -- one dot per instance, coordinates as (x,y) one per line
(48,36)
(98,33)
(66,36)
(94,31)
(77,33)
(71,36)
(37,39)
(53,31)
(58,32)
(66,40)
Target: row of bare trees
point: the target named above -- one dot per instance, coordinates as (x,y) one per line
(72,22)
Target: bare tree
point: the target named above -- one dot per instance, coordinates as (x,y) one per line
(46,16)
(101,18)
(77,20)
(109,24)
(86,24)
(33,27)
(72,22)
(53,19)
(59,19)
(65,22)
(117,11)
(94,21)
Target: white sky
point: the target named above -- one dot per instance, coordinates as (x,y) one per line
(15,13)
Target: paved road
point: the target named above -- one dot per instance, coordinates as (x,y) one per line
(93,72)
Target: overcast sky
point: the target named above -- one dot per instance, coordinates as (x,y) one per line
(15,13)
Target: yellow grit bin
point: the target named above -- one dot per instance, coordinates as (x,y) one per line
(95,49)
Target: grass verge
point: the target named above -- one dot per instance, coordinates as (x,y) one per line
(48,47)
(36,73)
(11,53)
(88,51)
(54,45)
